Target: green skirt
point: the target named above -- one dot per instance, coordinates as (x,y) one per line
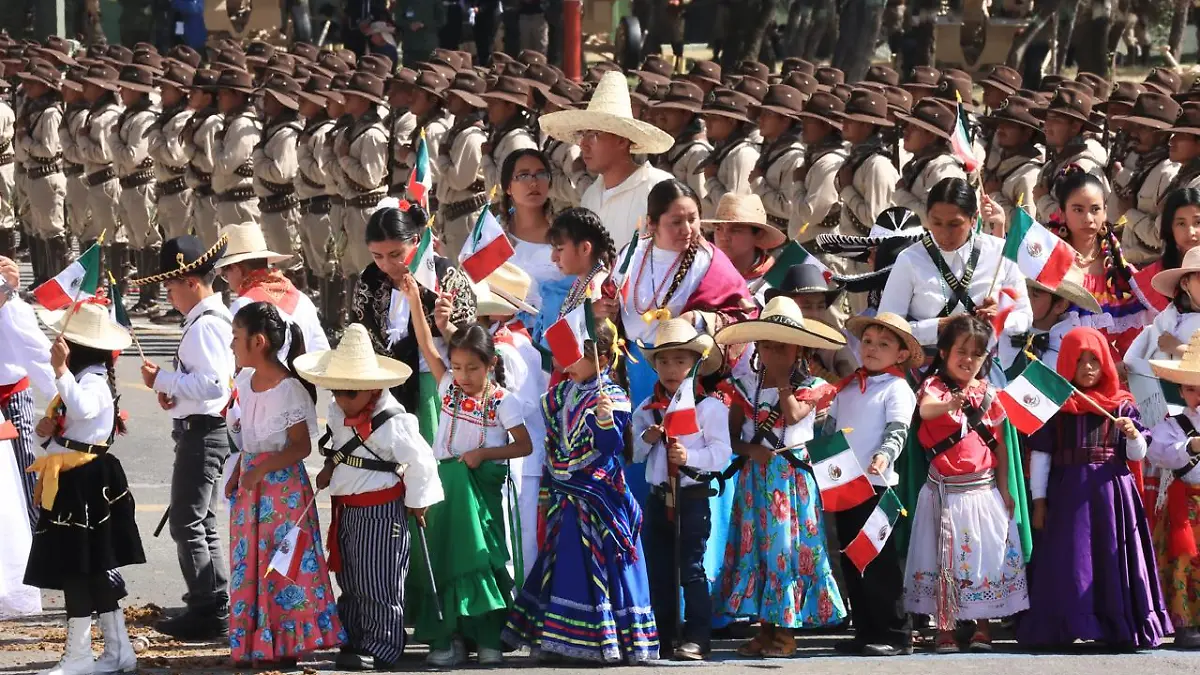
(428,407)
(468,556)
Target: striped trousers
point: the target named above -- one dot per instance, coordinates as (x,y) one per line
(19,410)
(374,550)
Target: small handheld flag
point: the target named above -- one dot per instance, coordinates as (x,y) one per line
(420,182)
(486,249)
(566,337)
(840,477)
(1040,254)
(1034,397)
(794,254)
(420,262)
(680,418)
(77,282)
(286,559)
(867,544)
(961,141)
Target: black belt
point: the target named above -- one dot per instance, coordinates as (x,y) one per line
(203,190)
(685,492)
(204,423)
(137,179)
(43,170)
(72,169)
(101,176)
(201,176)
(337,200)
(279,188)
(311,183)
(366,200)
(277,203)
(780,223)
(458,209)
(319,205)
(246,170)
(77,446)
(7,159)
(242,194)
(147,163)
(173,186)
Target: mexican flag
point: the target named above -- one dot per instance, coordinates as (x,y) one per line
(419,181)
(1042,255)
(285,561)
(116,306)
(839,476)
(627,261)
(1034,397)
(566,336)
(1006,302)
(77,282)
(793,254)
(875,532)
(961,142)
(680,418)
(486,249)
(420,262)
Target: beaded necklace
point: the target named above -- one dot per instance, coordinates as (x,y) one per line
(456,401)
(579,291)
(654,302)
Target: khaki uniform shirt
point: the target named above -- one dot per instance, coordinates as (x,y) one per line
(869,194)
(233,148)
(815,199)
(1141,239)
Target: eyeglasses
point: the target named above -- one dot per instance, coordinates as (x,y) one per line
(591,136)
(536,176)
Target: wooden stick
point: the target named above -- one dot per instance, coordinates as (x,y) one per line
(1089,399)
(1000,260)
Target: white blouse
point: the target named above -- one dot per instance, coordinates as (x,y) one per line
(470,425)
(654,268)
(768,397)
(399,316)
(535,259)
(267,415)
(88,403)
(1169,447)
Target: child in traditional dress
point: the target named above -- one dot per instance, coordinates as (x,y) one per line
(678,348)
(379,471)
(584,251)
(964,556)
(777,568)
(587,597)
(1094,576)
(1175,449)
(480,428)
(275,618)
(1053,317)
(87,527)
(876,405)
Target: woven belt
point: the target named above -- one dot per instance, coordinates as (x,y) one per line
(277,203)
(137,179)
(72,169)
(1080,456)
(317,205)
(172,187)
(458,209)
(43,170)
(101,176)
(246,170)
(7,159)
(203,190)
(242,194)
(367,200)
(948,599)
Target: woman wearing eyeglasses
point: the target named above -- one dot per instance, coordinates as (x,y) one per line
(525,181)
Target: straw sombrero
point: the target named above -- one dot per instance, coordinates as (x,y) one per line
(507,286)
(354,365)
(1185,370)
(246,242)
(489,303)
(895,323)
(747,210)
(91,326)
(681,334)
(1167,281)
(782,321)
(609,111)
(1071,289)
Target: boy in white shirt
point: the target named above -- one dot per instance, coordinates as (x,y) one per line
(678,348)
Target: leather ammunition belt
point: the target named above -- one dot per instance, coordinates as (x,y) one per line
(316,205)
(147,163)
(779,223)
(366,200)
(833,218)
(137,179)
(101,176)
(203,190)
(456,210)
(241,194)
(277,203)
(246,170)
(174,170)
(172,187)
(43,170)
(5,147)
(201,176)
(72,169)
(7,159)
(337,200)
(279,188)
(311,183)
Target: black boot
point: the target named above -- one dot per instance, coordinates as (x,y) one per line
(335,300)
(8,243)
(57,255)
(119,263)
(147,293)
(197,624)
(37,262)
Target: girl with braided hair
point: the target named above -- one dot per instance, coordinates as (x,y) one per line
(1107,274)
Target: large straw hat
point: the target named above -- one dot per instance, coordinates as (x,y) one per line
(91,326)
(895,323)
(489,303)
(246,242)
(354,365)
(782,321)
(507,286)
(1071,289)
(1167,281)
(747,210)
(681,334)
(1184,371)
(610,111)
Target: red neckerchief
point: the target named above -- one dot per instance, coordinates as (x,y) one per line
(661,399)
(362,421)
(277,289)
(822,396)
(760,267)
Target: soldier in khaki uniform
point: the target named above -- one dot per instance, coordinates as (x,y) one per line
(460,164)
(96,147)
(75,117)
(1185,148)
(171,153)
(361,151)
(678,114)
(568,177)
(815,197)
(1064,120)
(783,154)
(233,150)
(313,189)
(200,137)
(432,119)
(868,177)
(276,166)
(927,135)
(728,169)
(39,149)
(8,220)
(1138,190)
(135,174)
(511,126)
(401,121)
(1011,176)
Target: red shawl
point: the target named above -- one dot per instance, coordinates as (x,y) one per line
(270,286)
(1107,392)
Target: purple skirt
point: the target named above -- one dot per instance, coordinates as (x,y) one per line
(1093,575)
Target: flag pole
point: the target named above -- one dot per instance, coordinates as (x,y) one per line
(1082,395)
(75,301)
(136,343)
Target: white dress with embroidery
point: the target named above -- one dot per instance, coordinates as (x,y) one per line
(16,599)
(267,415)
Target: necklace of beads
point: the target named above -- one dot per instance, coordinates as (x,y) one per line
(456,400)
(654,302)
(579,290)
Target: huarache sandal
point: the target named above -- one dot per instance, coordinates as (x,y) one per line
(783,646)
(755,645)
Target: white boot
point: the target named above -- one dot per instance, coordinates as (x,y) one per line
(77,655)
(118,656)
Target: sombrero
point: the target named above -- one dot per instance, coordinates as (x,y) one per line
(610,111)
(183,256)
(1071,289)
(782,321)
(747,210)
(894,225)
(1167,281)
(681,334)
(91,326)
(895,323)
(354,365)
(508,285)
(246,242)
(1184,371)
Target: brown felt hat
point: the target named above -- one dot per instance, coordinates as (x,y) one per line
(728,103)
(753,88)
(828,76)
(470,87)
(365,85)
(1189,120)
(1153,110)
(1001,77)
(825,107)
(683,95)
(43,73)
(1101,88)
(1073,104)
(103,76)
(657,64)
(1165,80)
(305,51)
(803,82)
(899,100)
(793,64)
(316,90)
(708,71)
(235,79)
(883,75)
(259,52)
(784,100)
(869,107)
(1123,92)
(953,90)
(755,69)
(514,90)
(120,54)
(283,89)
(185,54)
(136,78)
(934,116)
(1017,110)
(565,94)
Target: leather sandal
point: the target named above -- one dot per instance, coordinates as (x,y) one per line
(755,645)
(782,646)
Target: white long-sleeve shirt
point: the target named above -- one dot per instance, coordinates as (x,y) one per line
(623,206)
(1169,449)
(203,376)
(24,348)
(88,404)
(709,450)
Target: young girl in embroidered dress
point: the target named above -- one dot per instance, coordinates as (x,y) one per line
(481,426)
(584,250)
(273,618)
(964,556)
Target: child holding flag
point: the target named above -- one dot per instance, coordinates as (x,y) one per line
(964,557)
(585,255)
(678,437)
(875,585)
(593,526)
(282,605)
(481,426)
(1095,577)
